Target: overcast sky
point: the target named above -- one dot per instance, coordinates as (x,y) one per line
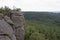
(33,5)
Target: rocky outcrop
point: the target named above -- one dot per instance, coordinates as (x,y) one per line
(6,31)
(12,26)
(18,19)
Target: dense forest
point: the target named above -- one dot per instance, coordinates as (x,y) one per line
(42,26)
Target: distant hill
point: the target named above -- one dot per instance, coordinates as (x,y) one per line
(44,17)
(42,26)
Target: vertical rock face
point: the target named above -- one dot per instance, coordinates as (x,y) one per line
(18,19)
(6,31)
(12,26)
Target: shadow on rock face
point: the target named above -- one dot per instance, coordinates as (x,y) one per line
(1,16)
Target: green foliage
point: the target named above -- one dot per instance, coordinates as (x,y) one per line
(42,26)
(45,17)
(6,9)
(41,31)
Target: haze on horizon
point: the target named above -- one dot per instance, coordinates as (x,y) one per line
(32,5)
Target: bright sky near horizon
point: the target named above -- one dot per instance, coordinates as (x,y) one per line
(33,5)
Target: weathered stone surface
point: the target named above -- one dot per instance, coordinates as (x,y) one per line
(5,28)
(12,26)
(7,19)
(4,38)
(18,18)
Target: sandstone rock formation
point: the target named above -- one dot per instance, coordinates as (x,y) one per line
(12,26)
(18,19)
(6,31)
